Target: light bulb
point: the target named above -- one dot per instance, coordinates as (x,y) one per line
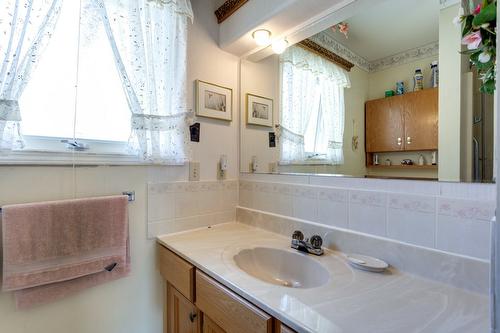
(279,46)
(262,37)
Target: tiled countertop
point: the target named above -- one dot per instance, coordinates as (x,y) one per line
(352,301)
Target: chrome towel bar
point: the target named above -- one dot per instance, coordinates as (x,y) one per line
(129,194)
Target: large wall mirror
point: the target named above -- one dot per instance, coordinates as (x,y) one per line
(391,96)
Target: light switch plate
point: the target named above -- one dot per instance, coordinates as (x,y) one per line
(194,171)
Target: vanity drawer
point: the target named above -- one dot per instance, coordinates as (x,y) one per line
(231,312)
(177,271)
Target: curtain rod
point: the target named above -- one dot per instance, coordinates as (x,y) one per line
(325,53)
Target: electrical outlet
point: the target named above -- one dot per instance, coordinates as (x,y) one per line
(194,171)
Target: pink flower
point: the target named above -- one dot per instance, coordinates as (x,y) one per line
(472,40)
(344,28)
(477,10)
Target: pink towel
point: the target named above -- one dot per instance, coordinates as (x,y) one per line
(54,249)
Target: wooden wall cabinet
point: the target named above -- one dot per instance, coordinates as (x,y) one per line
(195,303)
(406,122)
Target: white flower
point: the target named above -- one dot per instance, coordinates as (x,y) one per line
(484,57)
(458,20)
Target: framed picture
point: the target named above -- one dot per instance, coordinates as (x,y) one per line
(214,101)
(259,110)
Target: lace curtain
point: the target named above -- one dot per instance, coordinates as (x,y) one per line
(310,83)
(25,29)
(149,43)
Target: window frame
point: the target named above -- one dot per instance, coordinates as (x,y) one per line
(44,150)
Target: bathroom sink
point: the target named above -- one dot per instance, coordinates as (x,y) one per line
(282,267)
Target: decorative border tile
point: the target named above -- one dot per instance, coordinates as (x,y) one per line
(415,203)
(333,195)
(368,198)
(466,209)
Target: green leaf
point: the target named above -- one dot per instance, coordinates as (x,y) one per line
(467,25)
(488,87)
(487,14)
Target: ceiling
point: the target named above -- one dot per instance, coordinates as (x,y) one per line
(392,27)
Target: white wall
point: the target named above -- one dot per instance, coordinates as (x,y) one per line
(132,304)
(262,79)
(449,104)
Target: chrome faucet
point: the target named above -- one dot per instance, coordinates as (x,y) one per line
(309,245)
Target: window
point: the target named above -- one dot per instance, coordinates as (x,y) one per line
(106,76)
(50,104)
(312,108)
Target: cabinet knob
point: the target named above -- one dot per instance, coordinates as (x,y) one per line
(192,316)
(408,140)
(400,141)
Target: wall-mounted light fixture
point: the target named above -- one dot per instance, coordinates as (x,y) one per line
(262,37)
(279,46)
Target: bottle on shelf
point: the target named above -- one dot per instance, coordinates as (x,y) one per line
(434,74)
(418,80)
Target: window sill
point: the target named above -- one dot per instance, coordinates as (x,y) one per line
(309,162)
(40,157)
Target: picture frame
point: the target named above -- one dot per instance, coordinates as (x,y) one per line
(260,110)
(214,101)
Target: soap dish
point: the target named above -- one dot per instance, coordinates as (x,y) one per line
(367,263)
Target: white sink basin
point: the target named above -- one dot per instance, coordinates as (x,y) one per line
(282,267)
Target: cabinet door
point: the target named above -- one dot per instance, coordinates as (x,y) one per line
(210,327)
(182,316)
(384,125)
(421,120)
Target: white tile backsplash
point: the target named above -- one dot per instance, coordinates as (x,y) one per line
(178,206)
(463,236)
(445,216)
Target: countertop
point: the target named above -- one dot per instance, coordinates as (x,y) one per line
(352,301)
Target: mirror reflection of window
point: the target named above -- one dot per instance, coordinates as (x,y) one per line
(312,104)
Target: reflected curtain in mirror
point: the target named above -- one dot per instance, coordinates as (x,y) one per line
(312,108)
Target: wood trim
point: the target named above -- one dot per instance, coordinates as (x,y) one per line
(228,8)
(325,53)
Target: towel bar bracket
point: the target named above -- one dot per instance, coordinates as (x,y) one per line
(130,195)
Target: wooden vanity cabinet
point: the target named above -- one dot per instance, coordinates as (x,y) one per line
(406,122)
(196,303)
(181,314)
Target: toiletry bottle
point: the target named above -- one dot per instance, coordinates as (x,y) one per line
(434,158)
(418,80)
(434,74)
(421,160)
(400,88)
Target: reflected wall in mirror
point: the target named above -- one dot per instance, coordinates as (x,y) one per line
(391,97)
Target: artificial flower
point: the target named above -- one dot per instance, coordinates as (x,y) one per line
(472,40)
(477,10)
(344,28)
(484,57)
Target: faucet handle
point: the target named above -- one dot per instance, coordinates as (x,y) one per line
(297,234)
(316,241)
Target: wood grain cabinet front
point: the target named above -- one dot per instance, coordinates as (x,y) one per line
(177,271)
(406,122)
(181,315)
(209,326)
(229,311)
